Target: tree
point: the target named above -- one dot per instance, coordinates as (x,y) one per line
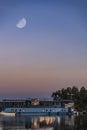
(78,96)
(74,90)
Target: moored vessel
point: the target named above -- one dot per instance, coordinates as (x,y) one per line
(7,113)
(36,107)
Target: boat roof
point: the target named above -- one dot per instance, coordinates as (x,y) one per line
(40,99)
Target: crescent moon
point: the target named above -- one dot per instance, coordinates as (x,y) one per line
(22,23)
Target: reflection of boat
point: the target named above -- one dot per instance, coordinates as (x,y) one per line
(36,122)
(7,113)
(35,107)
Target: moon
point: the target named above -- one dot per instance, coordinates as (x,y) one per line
(21,23)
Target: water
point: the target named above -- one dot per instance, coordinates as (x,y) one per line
(44,123)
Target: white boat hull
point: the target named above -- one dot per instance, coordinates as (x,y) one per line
(6,114)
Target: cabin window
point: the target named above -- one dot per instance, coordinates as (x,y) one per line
(19,110)
(12,110)
(23,110)
(15,110)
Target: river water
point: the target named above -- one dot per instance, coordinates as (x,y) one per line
(44,123)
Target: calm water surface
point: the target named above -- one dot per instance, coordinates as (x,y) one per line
(44,123)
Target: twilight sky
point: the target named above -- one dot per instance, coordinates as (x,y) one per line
(49,53)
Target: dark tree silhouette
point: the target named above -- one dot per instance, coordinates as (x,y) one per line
(78,96)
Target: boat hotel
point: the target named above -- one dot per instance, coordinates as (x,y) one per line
(36,106)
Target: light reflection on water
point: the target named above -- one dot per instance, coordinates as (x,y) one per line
(42,123)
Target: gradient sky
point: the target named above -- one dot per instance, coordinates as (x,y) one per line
(49,53)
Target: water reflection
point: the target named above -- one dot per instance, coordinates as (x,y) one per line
(46,123)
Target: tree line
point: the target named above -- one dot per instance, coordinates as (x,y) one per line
(79,96)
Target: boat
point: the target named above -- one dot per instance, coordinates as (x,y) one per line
(36,106)
(7,113)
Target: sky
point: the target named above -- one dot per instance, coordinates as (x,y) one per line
(47,54)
